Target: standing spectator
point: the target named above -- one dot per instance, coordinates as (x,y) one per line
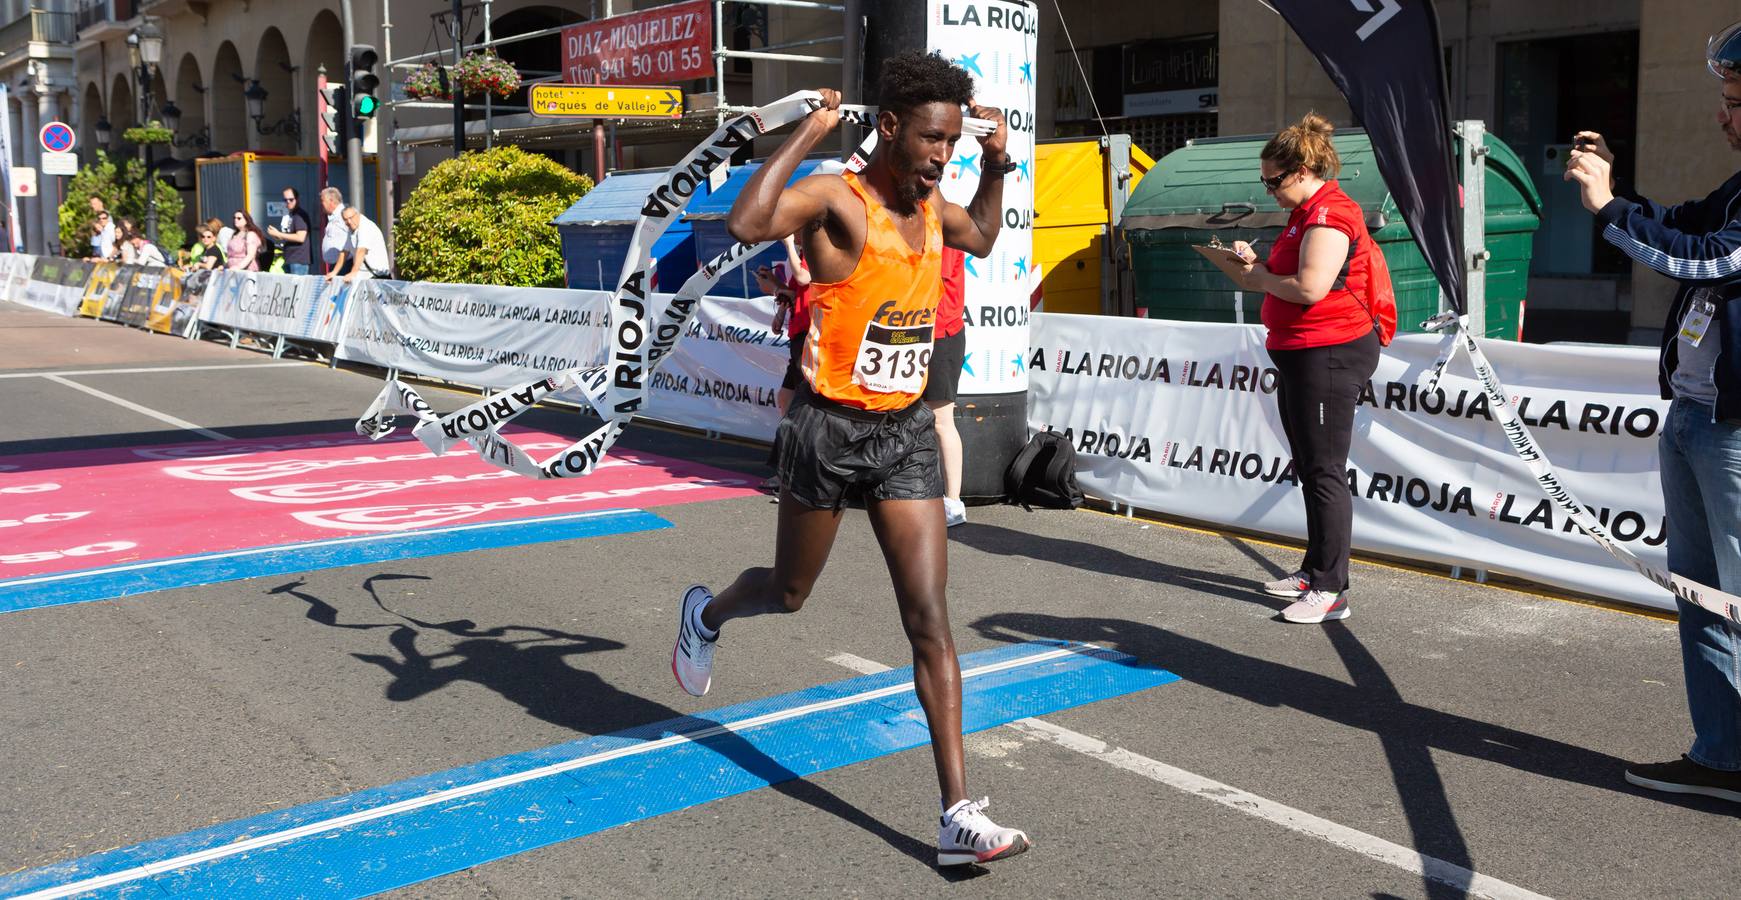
(291,234)
(102,235)
(1697,243)
(947,354)
(223,231)
(365,251)
(243,249)
(789,284)
(335,234)
(207,253)
(1323,338)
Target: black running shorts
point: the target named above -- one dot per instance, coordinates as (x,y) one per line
(829,452)
(944,381)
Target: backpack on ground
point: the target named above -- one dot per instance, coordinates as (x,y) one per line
(1043,474)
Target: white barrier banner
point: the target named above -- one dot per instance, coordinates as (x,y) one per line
(1180,418)
(482,335)
(56,285)
(15,275)
(306,307)
(724,375)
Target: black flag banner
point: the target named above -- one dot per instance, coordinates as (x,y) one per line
(1385,57)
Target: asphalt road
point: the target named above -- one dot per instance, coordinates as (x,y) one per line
(1444,725)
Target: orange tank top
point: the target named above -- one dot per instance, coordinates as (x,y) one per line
(870,335)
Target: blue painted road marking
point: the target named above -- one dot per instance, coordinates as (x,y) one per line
(412,831)
(123,580)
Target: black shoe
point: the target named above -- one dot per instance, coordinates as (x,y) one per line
(1683,776)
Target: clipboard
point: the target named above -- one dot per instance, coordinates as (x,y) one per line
(1219,255)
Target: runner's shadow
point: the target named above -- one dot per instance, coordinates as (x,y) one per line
(1409,733)
(530,666)
(1104,560)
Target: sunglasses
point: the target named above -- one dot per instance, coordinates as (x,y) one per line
(1274,183)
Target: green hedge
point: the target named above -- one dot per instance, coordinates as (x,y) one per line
(123,193)
(484,218)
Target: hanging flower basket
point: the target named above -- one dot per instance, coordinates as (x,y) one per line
(486,72)
(427,82)
(151,132)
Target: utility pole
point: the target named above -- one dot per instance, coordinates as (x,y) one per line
(454,30)
(387,145)
(353,140)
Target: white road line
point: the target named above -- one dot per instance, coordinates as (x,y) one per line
(148,369)
(322,826)
(1370,846)
(142,410)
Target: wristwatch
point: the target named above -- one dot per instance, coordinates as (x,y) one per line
(988,167)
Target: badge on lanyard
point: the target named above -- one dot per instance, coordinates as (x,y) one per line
(1698,319)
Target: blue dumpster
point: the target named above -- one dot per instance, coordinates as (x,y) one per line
(707,214)
(596,229)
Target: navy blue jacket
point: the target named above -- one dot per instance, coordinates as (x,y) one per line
(1697,243)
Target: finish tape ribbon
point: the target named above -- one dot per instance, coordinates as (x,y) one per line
(618,389)
(1524,444)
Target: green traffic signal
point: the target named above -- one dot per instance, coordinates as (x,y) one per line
(367,104)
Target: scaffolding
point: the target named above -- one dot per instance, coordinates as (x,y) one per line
(518,124)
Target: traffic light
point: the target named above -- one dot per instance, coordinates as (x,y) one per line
(364,80)
(333,116)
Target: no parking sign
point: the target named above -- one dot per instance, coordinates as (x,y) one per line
(57,137)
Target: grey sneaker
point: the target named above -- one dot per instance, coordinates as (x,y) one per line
(954,512)
(1317,606)
(1293,587)
(692,658)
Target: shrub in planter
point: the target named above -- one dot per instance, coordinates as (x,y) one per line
(484,218)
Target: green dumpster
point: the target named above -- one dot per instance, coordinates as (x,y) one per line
(1210,187)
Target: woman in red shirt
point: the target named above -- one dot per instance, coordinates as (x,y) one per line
(1323,337)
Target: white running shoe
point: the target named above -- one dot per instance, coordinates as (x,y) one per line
(954,512)
(1318,606)
(692,658)
(1292,587)
(967,836)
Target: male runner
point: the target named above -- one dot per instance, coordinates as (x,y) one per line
(874,244)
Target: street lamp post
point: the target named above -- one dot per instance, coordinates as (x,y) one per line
(145,52)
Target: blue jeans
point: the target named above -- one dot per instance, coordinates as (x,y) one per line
(296,268)
(1701,490)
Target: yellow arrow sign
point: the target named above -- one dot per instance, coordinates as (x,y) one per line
(596,101)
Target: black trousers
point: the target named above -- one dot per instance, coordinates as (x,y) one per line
(1316,394)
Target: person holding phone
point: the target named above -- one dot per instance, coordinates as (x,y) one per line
(1698,244)
(1324,340)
